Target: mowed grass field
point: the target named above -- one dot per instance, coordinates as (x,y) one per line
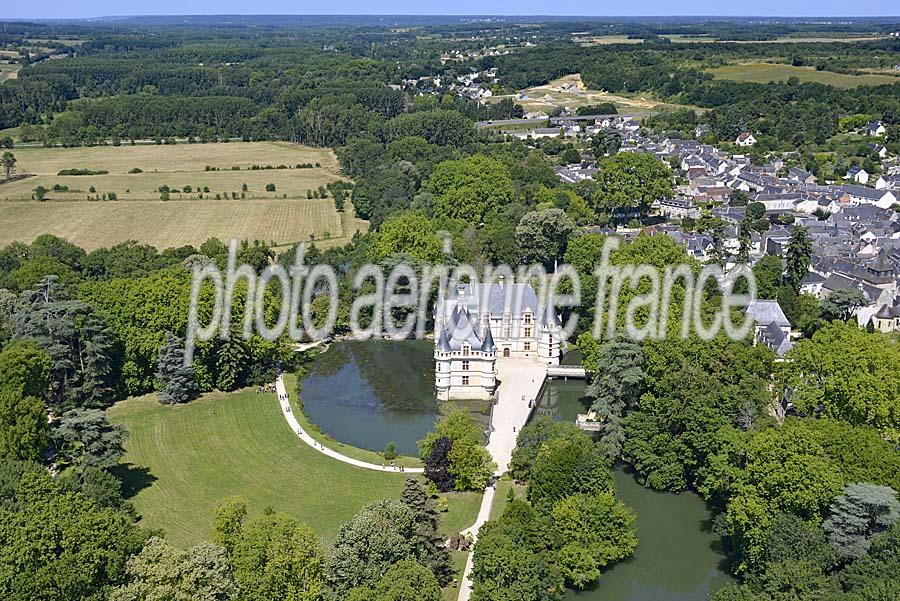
(186,218)
(766,72)
(180,461)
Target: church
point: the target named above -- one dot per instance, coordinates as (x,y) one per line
(478,323)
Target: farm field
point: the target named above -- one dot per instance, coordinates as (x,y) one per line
(187,217)
(766,72)
(180,460)
(569,92)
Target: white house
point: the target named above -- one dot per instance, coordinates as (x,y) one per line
(878,149)
(745,139)
(483,322)
(875,128)
(858,174)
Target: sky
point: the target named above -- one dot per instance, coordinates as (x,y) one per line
(97,8)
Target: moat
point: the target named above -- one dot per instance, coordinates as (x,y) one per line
(676,558)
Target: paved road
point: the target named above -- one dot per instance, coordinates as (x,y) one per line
(305,437)
(519,379)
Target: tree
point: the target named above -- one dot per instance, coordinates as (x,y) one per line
(61,546)
(270,187)
(77,340)
(532,437)
(429,544)
(24,432)
(542,235)
(9,164)
(799,251)
(470,465)
(858,514)
(842,304)
(86,437)
(630,180)
(39,193)
(591,530)
(437,464)
(470,189)
(408,580)
(377,537)
(227,522)
(512,559)
(24,369)
(566,467)
(409,232)
(845,373)
(276,557)
(767,272)
(177,381)
(617,386)
(163,571)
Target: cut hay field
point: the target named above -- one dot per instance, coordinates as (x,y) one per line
(187,217)
(766,72)
(181,460)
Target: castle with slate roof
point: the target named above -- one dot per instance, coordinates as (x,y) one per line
(478,323)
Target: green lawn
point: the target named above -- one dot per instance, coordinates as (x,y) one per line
(500,497)
(766,72)
(181,460)
(235,444)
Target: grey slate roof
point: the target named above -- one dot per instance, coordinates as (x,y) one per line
(766,312)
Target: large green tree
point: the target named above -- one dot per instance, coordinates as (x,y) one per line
(471,188)
(851,374)
(163,571)
(859,513)
(59,546)
(24,432)
(431,551)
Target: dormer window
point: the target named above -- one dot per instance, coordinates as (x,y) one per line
(466,349)
(528,319)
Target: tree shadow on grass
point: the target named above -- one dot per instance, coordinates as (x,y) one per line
(134,478)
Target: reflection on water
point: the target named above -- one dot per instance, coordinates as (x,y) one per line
(676,558)
(369,393)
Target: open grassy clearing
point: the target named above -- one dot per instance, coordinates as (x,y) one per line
(766,72)
(181,460)
(9,71)
(504,486)
(185,218)
(188,457)
(570,93)
(170,224)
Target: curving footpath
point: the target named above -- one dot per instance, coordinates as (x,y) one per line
(305,437)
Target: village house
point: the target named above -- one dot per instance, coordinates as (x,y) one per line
(858,174)
(875,128)
(745,139)
(771,327)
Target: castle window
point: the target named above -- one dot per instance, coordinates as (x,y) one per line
(527,332)
(465,380)
(466,349)
(527,346)
(465,366)
(528,319)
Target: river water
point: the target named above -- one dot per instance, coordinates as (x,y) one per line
(369,393)
(676,558)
